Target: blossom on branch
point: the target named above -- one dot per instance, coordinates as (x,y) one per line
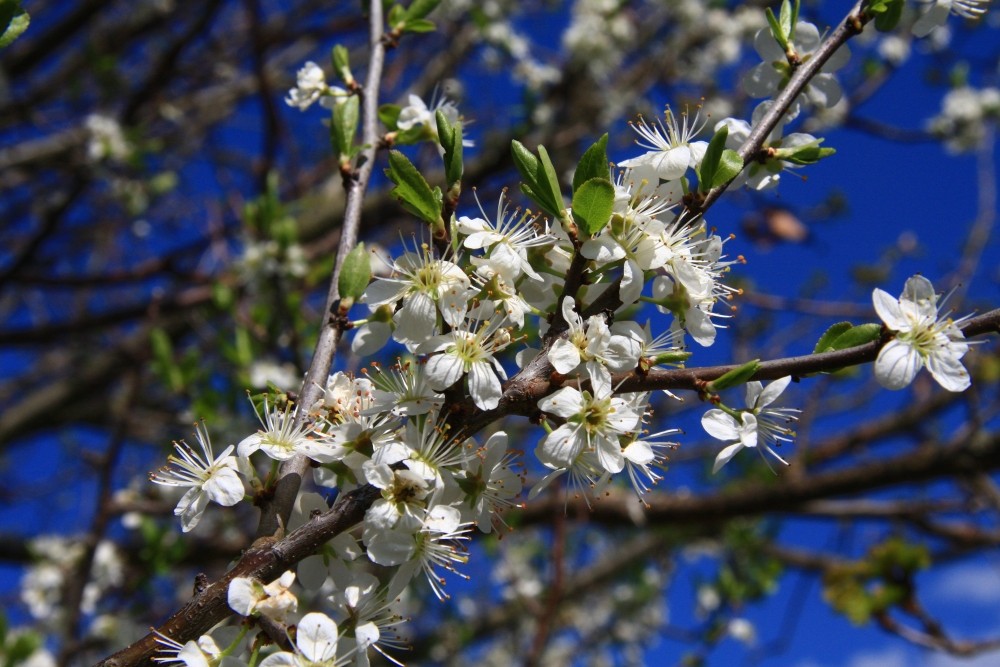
(207,477)
(757,425)
(922,338)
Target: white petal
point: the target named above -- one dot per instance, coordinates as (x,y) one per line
(748,430)
(725,455)
(317,637)
(632,282)
(225,487)
(720,425)
(370,338)
(190,508)
(897,365)
(282,659)
(484,386)
(415,320)
(949,371)
(609,453)
(564,356)
(564,403)
(241,596)
(443,370)
(753,391)
(772,392)
(673,163)
(889,311)
(366,634)
(561,447)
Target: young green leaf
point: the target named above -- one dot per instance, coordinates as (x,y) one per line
(450,137)
(419,26)
(418,9)
(735,377)
(729,166)
(887,20)
(859,335)
(776,30)
(785,18)
(342,64)
(593,203)
(550,181)
(388,115)
(344,125)
(412,190)
(713,156)
(825,341)
(13,21)
(593,164)
(537,181)
(356,273)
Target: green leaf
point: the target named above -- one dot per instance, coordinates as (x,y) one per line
(825,341)
(419,26)
(450,137)
(593,202)
(418,9)
(735,377)
(412,190)
(388,114)
(859,335)
(356,273)
(342,63)
(538,175)
(730,165)
(713,156)
(785,18)
(776,31)
(887,20)
(344,126)
(805,154)
(593,164)
(551,180)
(14,20)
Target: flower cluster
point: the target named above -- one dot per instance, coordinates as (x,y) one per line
(497,298)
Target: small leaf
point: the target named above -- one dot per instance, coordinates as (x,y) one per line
(450,137)
(779,36)
(412,190)
(344,125)
(713,155)
(388,114)
(735,377)
(14,20)
(825,341)
(785,18)
(418,9)
(593,164)
(342,63)
(538,175)
(593,203)
(730,165)
(419,26)
(887,20)
(356,273)
(855,336)
(550,180)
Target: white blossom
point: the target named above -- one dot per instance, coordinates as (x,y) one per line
(274,600)
(316,640)
(206,477)
(671,149)
(922,339)
(772,75)
(755,426)
(936,13)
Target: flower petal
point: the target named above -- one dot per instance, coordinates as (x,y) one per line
(897,365)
